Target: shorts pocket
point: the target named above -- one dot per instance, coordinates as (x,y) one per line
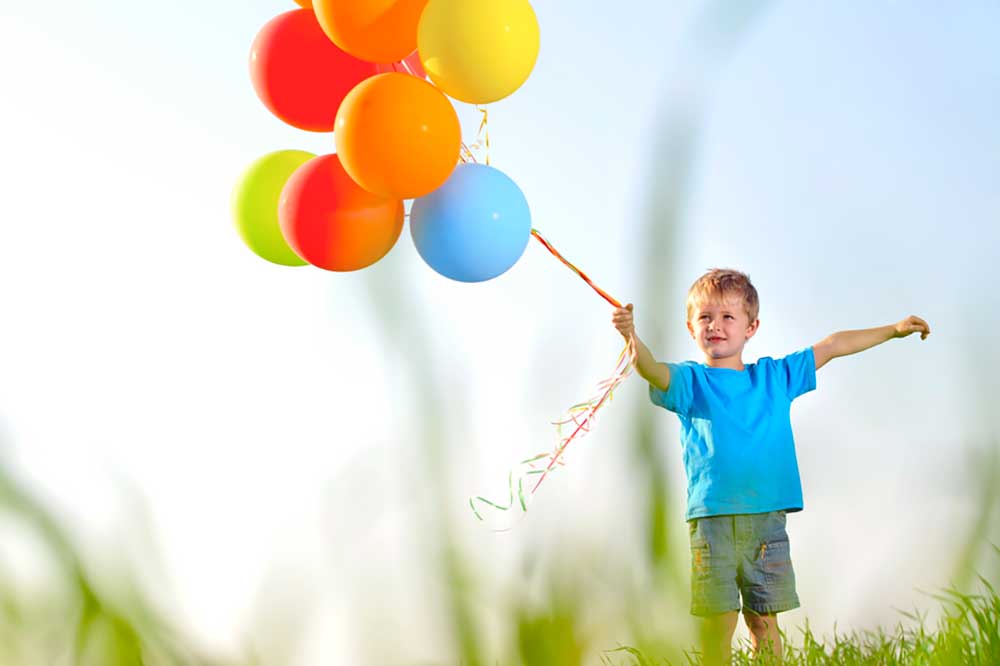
(701,561)
(776,561)
(701,553)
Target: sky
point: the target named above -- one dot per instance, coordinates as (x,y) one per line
(847,160)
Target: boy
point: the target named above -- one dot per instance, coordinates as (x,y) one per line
(739,455)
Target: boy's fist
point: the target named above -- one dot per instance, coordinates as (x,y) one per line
(913,324)
(622,319)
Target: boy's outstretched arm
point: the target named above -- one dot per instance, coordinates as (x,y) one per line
(657,374)
(845,343)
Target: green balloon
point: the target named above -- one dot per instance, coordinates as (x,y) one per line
(255,205)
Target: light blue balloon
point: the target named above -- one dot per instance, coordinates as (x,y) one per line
(474,227)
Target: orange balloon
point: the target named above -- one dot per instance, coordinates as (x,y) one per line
(397,136)
(305,4)
(373,30)
(331,222)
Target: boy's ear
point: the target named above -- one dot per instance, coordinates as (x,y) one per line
(753,328)
(690,328)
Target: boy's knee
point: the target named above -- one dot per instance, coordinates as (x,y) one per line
(759,622)
(719,627)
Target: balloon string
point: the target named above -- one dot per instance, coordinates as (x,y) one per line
(483,136)
(548,246)
(482,140)
(589,408)
(486,132)
(405,66)
(581,415)
(626,361)
(465,155)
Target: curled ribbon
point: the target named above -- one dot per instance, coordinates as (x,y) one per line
(580,416)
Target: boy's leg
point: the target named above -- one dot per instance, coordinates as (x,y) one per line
(767,581)
(764,634)
(717,638)
(715,595)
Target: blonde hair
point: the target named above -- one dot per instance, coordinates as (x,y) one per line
(717,283)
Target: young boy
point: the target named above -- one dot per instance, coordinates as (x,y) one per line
(739,455)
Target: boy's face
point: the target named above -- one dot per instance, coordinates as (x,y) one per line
(721,327)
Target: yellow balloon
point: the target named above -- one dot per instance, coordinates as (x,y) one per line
(479,51)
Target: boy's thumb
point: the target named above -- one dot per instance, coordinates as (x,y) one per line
(629,307)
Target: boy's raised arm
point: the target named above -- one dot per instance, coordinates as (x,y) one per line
(654,372)
(845,343)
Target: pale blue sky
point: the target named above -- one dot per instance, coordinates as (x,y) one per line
(848,162)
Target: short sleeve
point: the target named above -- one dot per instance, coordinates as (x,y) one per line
(799,372)
(679,394)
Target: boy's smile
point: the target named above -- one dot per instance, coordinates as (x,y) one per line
(721,329)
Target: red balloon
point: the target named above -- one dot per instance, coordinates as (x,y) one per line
(328,220)
(408,65)
(299,74)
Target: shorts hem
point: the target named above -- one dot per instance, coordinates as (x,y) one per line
(776,607)
(707,612)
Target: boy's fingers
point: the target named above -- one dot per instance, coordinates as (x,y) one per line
(918,324)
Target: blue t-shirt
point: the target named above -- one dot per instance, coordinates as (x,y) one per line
(736,432)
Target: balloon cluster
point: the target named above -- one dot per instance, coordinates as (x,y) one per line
(381,75)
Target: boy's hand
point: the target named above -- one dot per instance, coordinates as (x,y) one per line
(622,319)
(912,324)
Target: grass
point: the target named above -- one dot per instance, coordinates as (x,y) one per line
(967,635)
(84,625)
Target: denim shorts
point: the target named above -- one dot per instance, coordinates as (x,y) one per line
(741,555)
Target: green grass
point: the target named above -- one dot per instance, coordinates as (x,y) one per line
(967,635)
